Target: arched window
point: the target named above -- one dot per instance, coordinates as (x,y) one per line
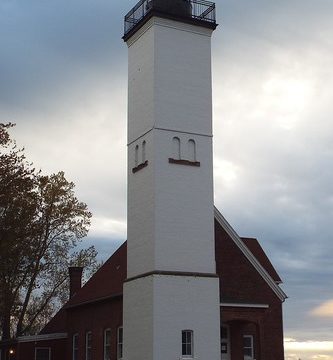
(191,150)
(88,345)
(143,151)
(140,159)
(107,344)
(176,148)
(75,347)
(136,155)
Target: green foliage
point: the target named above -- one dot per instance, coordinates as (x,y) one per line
(41,224)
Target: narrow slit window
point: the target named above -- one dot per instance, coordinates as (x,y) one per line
(191,150)
(143,151)
(187,343)
(136,160)
(176,148)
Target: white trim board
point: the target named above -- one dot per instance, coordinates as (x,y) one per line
(256,306)
(42,337)
(237,240)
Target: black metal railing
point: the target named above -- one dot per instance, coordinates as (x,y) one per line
(195,9)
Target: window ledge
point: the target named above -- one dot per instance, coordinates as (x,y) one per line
(139,167)
(184,162)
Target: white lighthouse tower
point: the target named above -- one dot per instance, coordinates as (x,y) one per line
(171,295)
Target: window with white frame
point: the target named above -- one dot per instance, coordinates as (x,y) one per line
(75,347)
(42,353)
(88,345)
(120,343)
(248,349)
(187,343)
(107,344)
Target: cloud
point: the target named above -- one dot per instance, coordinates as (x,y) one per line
(292,345)
(303,356)
(324,310)
(273,87)
(308,350)
(108,228)
(47,47)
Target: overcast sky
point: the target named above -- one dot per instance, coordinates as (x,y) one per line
(63,79)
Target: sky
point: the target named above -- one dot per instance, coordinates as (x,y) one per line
(63,81)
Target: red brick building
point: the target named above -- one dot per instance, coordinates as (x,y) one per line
(89,326)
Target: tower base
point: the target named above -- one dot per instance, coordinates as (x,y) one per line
(158,307)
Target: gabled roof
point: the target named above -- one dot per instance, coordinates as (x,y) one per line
(57,324)
(255,248)
(249,255)
(106,282)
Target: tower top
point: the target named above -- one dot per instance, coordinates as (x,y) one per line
(196,12)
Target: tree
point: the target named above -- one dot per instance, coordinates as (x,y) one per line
(41,223)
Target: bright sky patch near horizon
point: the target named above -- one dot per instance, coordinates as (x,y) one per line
(63,81)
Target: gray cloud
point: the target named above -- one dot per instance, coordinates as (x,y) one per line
(51,47)
(273,87)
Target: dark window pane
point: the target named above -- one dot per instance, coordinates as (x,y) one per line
(107,355)
(88,339)
(188,337)
(107,337)
(187,342)
(224,348)
(120,343)
(188,349)
(88,354)
(75,340)
(75,346)
(247,341)
(224,332)
(42,354)
(183,337)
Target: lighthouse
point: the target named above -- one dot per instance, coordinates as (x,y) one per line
(171,294)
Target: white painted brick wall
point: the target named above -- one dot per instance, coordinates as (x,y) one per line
(170,206)
(177,303)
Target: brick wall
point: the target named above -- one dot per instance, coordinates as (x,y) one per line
(240,282)
(95,317)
